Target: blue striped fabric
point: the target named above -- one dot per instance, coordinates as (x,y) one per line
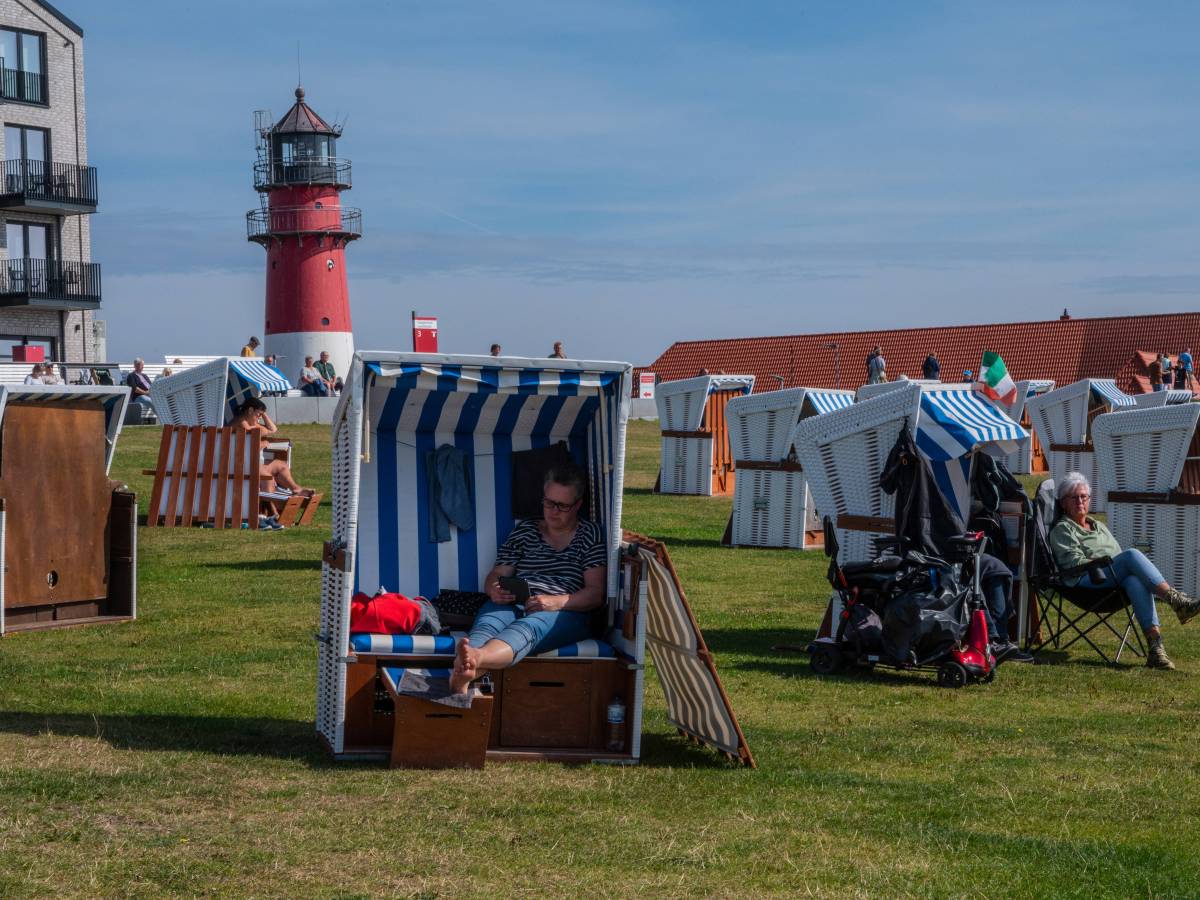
(1106,389)
(953,423)
(1179,396)
(416,644)
(489,413)
(443,645)
(257,373)
(742,383)
(827,402)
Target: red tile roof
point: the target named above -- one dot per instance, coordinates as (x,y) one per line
(1062,349)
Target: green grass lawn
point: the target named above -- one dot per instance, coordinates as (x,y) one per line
(176,754)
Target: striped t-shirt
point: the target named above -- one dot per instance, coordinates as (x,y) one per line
(551,571)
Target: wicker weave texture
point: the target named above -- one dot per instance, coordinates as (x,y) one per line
(1143,449)
(193,397)
(1166,533)
(770,509)
(686,466)
(843,454)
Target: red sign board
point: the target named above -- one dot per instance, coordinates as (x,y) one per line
(28,353)
(425,329)
(646,385)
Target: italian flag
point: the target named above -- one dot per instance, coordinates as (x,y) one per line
(994,379)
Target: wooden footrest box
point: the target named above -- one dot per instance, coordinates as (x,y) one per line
(428,735)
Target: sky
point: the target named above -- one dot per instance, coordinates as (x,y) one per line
(620,176)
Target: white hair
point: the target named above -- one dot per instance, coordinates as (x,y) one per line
(1069,482)
(139,360)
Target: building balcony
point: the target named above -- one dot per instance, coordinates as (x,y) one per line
(49,284)
(23,87)
(270,174)
(339,223)
(35,186)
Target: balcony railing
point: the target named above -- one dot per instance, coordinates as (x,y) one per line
(27,87)
(343,222)
(274,173)
(33,184)
(49,282)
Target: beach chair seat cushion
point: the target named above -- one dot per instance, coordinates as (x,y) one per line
(443,645)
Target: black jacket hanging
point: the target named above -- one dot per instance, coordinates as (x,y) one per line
(923,515)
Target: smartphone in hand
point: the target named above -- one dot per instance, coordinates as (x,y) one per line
(518,587)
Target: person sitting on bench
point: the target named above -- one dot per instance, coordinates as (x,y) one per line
(1077,538)
(564,562)
(252,416)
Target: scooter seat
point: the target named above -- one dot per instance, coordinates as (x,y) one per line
(884,565)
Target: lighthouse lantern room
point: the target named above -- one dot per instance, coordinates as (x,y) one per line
(305,230)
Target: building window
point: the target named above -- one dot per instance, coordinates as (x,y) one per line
(23,70)
(8,341)
(21,142)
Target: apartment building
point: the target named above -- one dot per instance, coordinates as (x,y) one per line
(49,287)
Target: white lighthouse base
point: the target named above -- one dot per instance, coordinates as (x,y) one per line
(291,348)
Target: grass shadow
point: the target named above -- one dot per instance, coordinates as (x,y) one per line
(221,735)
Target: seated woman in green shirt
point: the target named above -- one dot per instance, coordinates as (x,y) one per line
(1077,539)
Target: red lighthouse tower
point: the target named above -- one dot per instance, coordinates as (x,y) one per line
(305,230)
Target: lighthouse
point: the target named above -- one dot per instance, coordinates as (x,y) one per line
(305,230)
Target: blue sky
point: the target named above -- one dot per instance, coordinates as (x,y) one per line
(620,175)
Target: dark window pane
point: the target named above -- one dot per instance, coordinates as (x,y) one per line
(8,48)
(31,53)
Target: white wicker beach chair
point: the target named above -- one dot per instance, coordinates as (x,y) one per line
(1162,398)
(869,391)
(772,506)
(1148,465)
(397,406)
(208,394)
(1062,419)
(1029,458)
(696,455)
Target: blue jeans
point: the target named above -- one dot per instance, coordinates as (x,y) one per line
(1138,577)
(528,632)
(1159,387)
(315,389)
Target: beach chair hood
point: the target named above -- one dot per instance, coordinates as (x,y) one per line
(113,399)
(210,394)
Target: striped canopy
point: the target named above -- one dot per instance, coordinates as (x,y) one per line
(1179,396)
(1035,386)
(952,424)
(828,401)
(489,412)
(114,399)
(1106,389)
(257,374)
(741,383)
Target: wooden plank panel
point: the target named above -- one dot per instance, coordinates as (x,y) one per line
(193,473)
(178,438)
(209,475)
(224,444)
(164,446)
(56,498)
(239,479)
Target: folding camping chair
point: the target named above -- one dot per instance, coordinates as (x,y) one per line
(1070,612)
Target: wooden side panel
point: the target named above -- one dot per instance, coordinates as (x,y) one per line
(57,501)
(717,422)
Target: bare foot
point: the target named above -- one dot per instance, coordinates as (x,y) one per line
(465,668)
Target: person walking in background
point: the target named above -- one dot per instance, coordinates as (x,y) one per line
(251,348)
(1156,374)
(876,367)
(931,370)
(558,351)
(495,351)
(1166,370)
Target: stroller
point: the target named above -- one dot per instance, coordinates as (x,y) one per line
(909,611)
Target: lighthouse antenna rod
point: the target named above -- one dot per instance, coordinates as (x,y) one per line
(299,81)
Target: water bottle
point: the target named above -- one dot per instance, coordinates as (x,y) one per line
(616,725)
